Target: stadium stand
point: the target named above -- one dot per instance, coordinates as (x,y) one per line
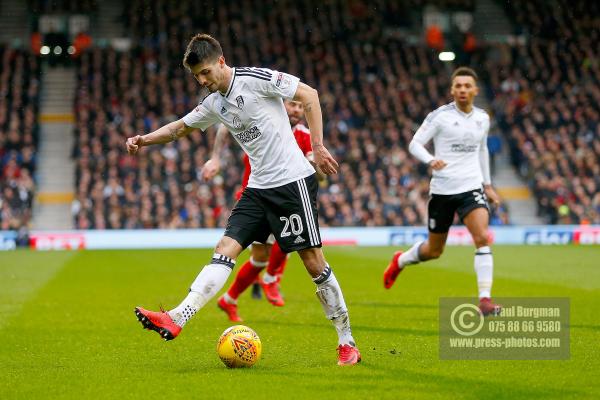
(19,103)
(62,6)
(375,89)
(122,93)
(547,105)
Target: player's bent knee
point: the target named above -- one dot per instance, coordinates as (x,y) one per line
(228,247)
(435,253)
(313,260)
(480,240)
(313,266)
(260,252)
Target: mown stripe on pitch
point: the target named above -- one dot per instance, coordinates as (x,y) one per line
(23,274)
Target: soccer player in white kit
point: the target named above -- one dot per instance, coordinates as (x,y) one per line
(281,195)
(460,183)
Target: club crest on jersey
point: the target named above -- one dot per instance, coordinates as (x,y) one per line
(479,123)
(240,101)
(237,122)
(223,110)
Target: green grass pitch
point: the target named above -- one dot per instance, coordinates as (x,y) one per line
(67,328)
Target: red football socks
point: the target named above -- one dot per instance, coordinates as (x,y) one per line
(277,261)
(244,278)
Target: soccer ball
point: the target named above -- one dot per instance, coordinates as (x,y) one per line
(239,346)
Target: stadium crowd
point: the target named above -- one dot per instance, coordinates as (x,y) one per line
(547,103)
(62,6)
(375,89)
(19,101)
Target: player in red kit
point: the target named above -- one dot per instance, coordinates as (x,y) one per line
(263,255)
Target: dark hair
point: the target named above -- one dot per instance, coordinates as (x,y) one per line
(464,71)
(201,48)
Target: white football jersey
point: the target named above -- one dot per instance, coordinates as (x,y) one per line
(253,111)
(458,139)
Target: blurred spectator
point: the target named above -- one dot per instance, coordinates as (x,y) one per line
(435,38)
(36,42)
(62,6)
(81,43)
(494,144)
(19,99)
(469,43)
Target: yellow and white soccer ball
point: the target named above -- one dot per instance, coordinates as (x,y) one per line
(239,346)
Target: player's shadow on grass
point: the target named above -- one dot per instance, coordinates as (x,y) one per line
(591,327)
(479,388)
(357,328)
(404,331)
(392,305)
(365,374)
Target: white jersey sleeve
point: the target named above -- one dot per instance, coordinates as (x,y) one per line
(424,134)
(280,84)
(202,116)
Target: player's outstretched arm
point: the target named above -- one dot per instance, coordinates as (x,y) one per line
(309,98)
(213,165)
(165,134)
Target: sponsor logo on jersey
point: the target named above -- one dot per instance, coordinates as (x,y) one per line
(455,123)
(240,102)
(248,135)
(463,148)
